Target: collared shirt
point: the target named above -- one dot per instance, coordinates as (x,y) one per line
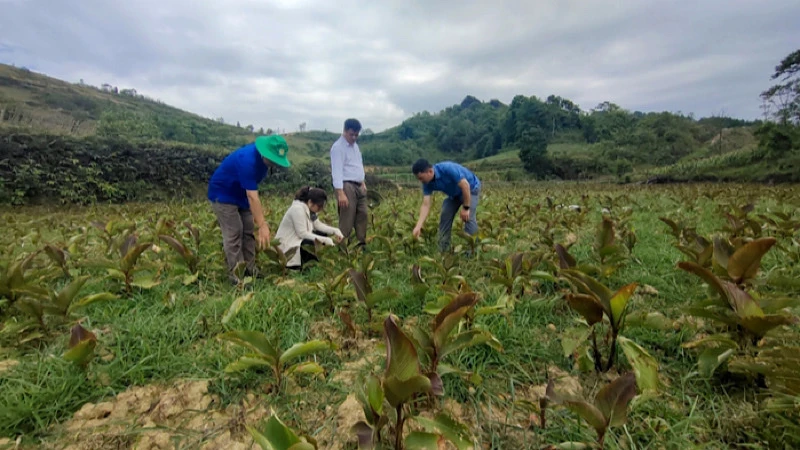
(346,163)
(446,176)
(239,172)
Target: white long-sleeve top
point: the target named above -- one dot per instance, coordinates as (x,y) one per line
(297,225)
(346,163)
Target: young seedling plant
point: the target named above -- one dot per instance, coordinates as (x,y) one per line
(264,354)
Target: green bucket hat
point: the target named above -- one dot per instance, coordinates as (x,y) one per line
(274,148)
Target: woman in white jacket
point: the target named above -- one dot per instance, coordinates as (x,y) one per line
(300,226)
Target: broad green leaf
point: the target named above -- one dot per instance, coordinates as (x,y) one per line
(644,365)
(744,263)
(761,325)
(449,317)
(360,284)
(619,302)
(253,340)
(81,353)
(401,356)
(259,438)
(588,412)
(715,340)
(68,293)
(570,446)
(304,348)
(590,286)
(418,440)
(145,280)
(374,392)
(587,306)
(572,338)
(613,399)
(306,367)
(94,298)
(81,345)
(541,275)
(279,435)
(455,432)
(468,339)
(446,369)
(401,391)
(248,362)
(774,304)
(130,258)
(236,306)
(741,302)
(712,357)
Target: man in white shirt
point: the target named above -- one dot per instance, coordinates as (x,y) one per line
(347,171)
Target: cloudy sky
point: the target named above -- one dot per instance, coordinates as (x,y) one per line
(277,63)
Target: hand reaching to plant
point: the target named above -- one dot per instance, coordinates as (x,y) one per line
(326,241)
(338,235)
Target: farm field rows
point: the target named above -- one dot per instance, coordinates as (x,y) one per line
(635,317)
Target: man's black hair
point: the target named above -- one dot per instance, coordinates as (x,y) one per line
(420,166)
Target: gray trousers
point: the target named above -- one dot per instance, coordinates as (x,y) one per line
(238,238)
(355,214)
(450,207)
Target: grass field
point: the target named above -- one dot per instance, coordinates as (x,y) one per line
(156,373)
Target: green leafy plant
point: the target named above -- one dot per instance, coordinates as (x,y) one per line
(593,300)
(444,337)
(372,401)
(82,343)
(363,291)
(265,354)
(58,256)
(743,319)
(277,436)
(403,378)
(609,408)
(37,302)
(277,259)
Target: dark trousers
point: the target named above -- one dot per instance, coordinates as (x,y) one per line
(305,255)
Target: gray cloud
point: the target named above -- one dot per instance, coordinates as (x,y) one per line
(280,63)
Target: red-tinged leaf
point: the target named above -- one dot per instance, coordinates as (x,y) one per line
(710,279)
(745,262)
(401,356)
(565,260)
(587,306)
(451,315)
(359,280)
(613,399)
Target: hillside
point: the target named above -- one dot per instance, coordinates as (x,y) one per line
(605,142)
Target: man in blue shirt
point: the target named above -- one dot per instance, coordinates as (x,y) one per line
(462,188)
(233,192)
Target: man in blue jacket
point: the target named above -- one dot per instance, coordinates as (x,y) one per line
(462,188)
(233,192)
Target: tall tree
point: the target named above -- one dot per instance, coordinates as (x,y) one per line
(785,96)
(533,152)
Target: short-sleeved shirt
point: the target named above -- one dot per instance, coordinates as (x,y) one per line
(446,176)
(239,172)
